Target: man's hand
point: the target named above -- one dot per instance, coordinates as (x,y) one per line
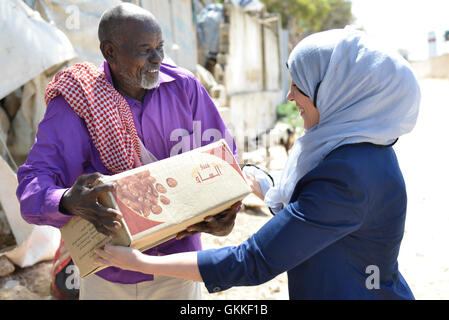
(218,225)
(82,200)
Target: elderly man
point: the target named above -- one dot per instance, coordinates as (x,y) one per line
(82,136)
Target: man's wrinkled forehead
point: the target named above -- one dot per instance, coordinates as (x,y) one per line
(140,29)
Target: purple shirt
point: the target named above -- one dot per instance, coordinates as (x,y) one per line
(176,116)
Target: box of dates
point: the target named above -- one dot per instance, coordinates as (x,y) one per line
(159,200)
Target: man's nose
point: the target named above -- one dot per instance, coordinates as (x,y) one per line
(156,57)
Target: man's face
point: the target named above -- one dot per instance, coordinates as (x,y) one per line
(139,55)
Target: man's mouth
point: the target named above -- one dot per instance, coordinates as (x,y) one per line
(152,69)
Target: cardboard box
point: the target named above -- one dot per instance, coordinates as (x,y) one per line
(160,199)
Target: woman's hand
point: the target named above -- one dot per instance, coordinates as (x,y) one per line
(122,257)
(255,186)
(181,265)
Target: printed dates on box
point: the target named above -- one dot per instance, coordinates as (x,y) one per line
(143,194)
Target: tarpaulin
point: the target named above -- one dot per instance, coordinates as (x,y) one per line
(28,45)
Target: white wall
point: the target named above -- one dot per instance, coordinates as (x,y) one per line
(253,76)
(436,67)
(176,20)
(243,72)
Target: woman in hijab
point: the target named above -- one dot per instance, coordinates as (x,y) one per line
(341,201)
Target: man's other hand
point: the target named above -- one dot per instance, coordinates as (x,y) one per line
(220,224)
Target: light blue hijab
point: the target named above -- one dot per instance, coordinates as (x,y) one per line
(365,94)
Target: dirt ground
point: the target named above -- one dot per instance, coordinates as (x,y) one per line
(423,259)
(424,155)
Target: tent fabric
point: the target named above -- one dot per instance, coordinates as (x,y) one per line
(34,243)
(29,45)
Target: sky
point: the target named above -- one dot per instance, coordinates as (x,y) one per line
(405,24)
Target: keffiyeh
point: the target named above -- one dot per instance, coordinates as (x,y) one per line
(106,113)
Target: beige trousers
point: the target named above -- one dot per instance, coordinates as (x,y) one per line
(161,288)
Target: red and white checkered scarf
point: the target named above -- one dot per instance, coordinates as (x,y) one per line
(106,113)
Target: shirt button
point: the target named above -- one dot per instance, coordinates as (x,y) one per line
(149,140)
(216,289)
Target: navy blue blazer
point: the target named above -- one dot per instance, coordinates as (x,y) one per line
(338,238)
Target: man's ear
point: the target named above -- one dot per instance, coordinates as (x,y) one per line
(108,50)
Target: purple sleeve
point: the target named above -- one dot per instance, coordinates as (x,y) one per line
(204,110)
(53,164)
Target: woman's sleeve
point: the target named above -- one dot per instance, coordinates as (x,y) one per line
(330,206)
